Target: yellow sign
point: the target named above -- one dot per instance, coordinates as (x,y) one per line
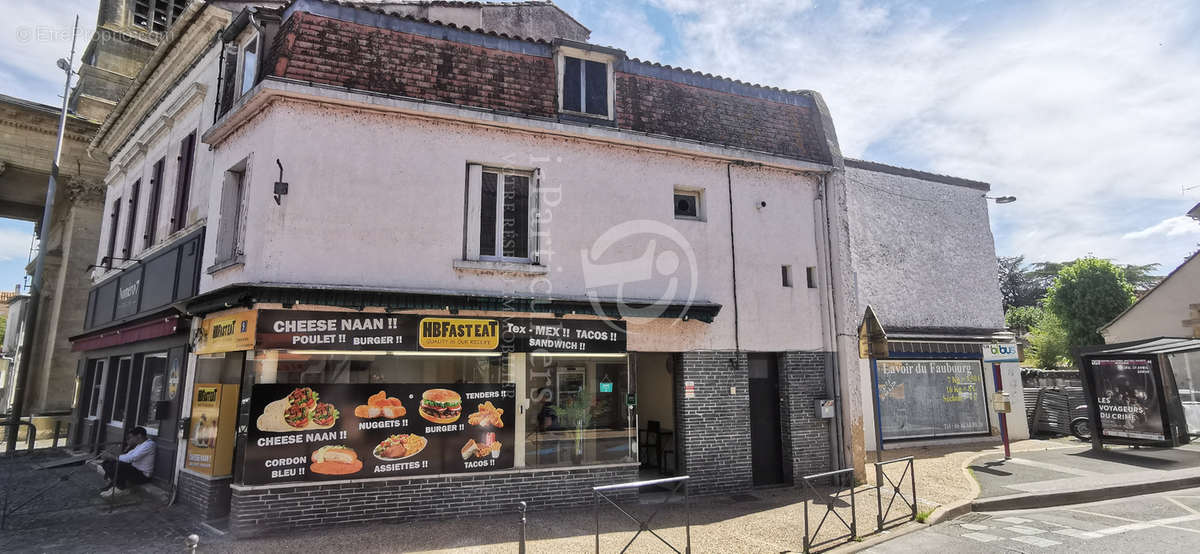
(459,334)
(211,436)
(228,332)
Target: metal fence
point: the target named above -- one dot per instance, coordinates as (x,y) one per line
(62,431)
(896,491)
(680,482)
(842,480)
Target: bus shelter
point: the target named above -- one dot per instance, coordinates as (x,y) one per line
(1143,393)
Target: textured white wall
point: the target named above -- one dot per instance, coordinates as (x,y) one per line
(922,252)
(1162,312)
(377,200)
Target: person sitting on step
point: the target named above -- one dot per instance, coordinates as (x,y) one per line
(134,467)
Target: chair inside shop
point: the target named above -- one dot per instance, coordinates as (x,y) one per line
(657,446)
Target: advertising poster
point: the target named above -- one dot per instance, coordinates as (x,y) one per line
(210,439)
(228,332)
(1127,395)
(359,431)
(931,398)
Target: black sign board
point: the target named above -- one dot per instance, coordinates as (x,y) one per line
(326,432)
(170,275)
(930,398)
(1127,396)
(317,330)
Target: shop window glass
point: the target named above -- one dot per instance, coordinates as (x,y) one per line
(577,411)
(154,368)
(97,388)
(119,390)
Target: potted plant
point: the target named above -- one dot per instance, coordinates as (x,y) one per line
(576,411)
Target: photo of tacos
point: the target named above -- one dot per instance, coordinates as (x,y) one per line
(335,460)
(380,405)
(441,406)
(300,410)
(399,447)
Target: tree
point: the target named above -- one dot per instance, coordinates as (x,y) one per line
(1017,286)
(1048,344)
(1139,276)
(1022,319)
(1087,294)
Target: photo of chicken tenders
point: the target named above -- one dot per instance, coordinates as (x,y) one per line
(487,416)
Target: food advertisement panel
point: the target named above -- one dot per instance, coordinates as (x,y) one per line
(358,431)
(317,330)
(227,332)
(211,436)
(1127,395)
(930,398)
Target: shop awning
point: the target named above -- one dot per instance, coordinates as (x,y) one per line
(134,332)
(288,294)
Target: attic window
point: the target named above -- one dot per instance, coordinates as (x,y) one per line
(585,83)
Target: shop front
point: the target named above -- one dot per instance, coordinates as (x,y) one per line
(135,347)
(359,415)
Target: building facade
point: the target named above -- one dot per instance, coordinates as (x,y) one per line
(357,254)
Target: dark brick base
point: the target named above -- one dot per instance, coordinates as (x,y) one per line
(261,510)
(806,446)
(208,498)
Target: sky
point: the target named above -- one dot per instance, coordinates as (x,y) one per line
(1087,112)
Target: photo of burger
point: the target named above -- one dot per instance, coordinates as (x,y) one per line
(441,406)
(335,460)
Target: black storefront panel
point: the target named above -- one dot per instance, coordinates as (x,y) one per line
(930,398)
(290,425)
(106,299)
(168,276)
(157,293)
(317,330)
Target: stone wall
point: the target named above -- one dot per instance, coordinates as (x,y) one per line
(806,441)
(206,497)
(713,428)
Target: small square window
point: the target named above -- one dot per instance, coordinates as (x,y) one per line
(787,276)
(687,204)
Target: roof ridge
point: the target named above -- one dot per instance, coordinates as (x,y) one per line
(690,71)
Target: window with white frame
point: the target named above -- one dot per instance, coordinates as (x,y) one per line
(585,82)
(501,214)
(229,224)
(248,63)
(97,389)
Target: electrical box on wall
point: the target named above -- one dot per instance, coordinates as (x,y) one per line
(825,408)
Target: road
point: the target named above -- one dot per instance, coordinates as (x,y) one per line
(1164,522)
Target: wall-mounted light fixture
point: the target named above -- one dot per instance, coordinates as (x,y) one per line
(281,187)
(1001,199)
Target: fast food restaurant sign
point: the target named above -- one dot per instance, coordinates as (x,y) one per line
(228,332)
(316,330)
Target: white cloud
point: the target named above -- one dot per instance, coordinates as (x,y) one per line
(1087,112)
(1170,227)
(35,34)
(14,244)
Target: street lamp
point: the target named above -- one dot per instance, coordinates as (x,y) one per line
(29,328)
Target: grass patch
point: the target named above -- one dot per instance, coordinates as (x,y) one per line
(923,515)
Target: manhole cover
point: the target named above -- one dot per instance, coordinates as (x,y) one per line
(974,517)
(743,497)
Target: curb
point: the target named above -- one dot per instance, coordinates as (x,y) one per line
(1026,501)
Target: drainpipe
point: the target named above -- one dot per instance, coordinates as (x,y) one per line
(737,345)
(828,324)
(846,374)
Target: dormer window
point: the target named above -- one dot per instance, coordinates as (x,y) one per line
(585,82)
(248,64)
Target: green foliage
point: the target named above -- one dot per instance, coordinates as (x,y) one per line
(1017,285)
(1021,319)
(1049,347)
(923,515)
(1139,276)
(1087,294)
(3,324)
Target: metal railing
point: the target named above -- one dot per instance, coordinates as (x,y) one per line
(12,430)
(31,439)
(881,476)
(644,525)
(842,480)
